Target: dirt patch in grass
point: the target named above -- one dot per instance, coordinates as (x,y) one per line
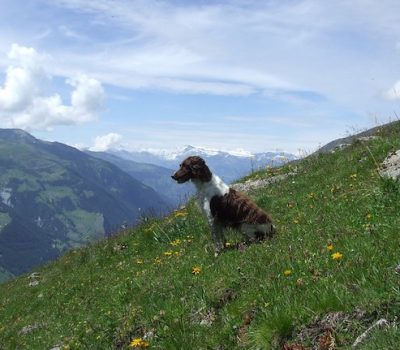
(333,330)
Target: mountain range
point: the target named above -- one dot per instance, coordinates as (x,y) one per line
(54,197)
(154,168)
(230,166)
(154,176)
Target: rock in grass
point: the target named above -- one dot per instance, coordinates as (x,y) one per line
(34,279)
(34,275)
(391,166)
(30,328)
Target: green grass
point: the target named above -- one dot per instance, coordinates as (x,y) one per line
(141,283)
(83,226)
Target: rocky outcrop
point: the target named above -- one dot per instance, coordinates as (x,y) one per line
(391,166)
(252,184)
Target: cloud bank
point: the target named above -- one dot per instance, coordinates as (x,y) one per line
(394,92)
(106,142)
(24,103)
(247,47)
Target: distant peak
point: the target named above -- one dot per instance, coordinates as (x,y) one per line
(188,148)
(16,135)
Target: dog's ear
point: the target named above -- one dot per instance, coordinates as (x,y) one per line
(199,169)
(196,164)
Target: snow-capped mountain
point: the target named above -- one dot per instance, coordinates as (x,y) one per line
(200,151)
(230,165)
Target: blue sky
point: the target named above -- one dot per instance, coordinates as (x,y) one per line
(241,74)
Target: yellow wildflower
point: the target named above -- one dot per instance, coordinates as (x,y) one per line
(337,256)
(169,253)
(145,344)
(296,221)
(175,243)
(139,343)
(139,261)
(228,244)
(329,247)
(353,176)
(287,272)
(196,270)
(157,260)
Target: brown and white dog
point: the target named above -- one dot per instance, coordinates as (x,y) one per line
(224,206)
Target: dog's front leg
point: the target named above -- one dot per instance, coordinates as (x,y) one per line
(217,234)
(215,227)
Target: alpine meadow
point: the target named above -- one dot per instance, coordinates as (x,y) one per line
(328,275)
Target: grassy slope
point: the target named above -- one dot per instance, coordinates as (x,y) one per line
(4,275)
(103,296)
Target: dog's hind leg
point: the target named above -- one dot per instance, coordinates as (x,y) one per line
(250,231)
(217,234)
(257,232)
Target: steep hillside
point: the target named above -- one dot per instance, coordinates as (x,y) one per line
(154,176)
(54,197)
(327,276)
(344,141)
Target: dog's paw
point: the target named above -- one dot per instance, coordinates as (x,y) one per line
(218,251)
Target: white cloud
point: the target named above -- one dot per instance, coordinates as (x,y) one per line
(394,92)
(23,103)
(87,98)
(22,81)
(106,142)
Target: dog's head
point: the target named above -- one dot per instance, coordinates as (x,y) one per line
(192,168)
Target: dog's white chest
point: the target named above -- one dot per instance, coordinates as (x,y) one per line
(204,204)
(207,190)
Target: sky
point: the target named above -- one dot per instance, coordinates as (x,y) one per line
(288,75)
